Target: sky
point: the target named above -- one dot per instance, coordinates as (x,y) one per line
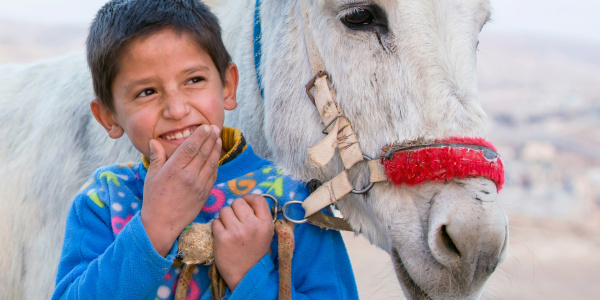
(575,19)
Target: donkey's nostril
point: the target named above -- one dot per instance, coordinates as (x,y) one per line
(447,241)
(443,246)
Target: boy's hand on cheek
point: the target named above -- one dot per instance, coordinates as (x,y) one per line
(243,234)
(176,189)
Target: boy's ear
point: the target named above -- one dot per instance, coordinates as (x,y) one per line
(105,117)
(230,87)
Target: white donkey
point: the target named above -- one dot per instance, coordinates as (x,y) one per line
(404,72)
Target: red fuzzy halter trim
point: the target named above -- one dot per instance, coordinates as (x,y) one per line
(436,162)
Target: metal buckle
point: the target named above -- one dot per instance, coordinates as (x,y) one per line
(276,209)
(311,84)
(369,187)
(488,153)
(331,123)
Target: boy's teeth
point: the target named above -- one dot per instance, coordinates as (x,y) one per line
(180,135)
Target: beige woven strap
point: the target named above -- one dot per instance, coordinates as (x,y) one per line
(347,144)
(321,153)
(340,136)
(377,171)
(325,100)
(285,248)
(329,193)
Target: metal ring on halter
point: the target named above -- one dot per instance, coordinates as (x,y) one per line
(368,188)
(288,218)
(275,210)
(331,123)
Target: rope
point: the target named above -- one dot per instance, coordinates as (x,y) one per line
(194,242)
(184,281)
(285,247)
(218,285)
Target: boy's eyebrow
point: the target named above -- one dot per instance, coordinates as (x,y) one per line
(132,84)
(196,69)
(145,81)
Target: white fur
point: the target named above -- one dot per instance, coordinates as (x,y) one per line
(417,81)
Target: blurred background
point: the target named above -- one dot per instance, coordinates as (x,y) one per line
(539,72)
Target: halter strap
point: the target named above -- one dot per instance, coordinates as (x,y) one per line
(316,62)
(258,47)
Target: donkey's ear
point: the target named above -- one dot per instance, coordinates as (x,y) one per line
(230,87)
(105,117)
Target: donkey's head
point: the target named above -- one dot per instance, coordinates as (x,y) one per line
(405,73)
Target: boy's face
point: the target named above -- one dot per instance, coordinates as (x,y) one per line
(166,87)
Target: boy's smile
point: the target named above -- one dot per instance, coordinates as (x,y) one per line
(175,135)
(166,87)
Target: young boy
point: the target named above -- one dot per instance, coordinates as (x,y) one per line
(163,77)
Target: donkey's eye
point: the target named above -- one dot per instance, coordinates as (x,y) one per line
(359,17)
(364,18)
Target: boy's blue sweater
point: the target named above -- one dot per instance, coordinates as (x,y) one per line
(108,255)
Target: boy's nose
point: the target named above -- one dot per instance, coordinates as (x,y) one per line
(175,107)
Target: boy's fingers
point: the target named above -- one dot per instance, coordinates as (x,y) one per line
(228,218)
(190,148)
(217,226)
(212,178)
(242,210)
(260,206)
(157,157)
(205,152)
(208,168)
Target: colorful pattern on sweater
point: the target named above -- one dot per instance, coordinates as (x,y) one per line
(120,190)
(108,255)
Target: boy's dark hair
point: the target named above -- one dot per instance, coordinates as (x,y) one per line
(119,22)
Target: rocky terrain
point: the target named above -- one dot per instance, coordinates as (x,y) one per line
(542,96)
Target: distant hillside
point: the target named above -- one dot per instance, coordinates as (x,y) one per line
(543,75)
(543,99)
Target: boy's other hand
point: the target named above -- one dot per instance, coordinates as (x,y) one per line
(175,190)
(243,234)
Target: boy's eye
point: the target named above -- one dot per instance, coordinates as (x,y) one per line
(195,80)
(145,93)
